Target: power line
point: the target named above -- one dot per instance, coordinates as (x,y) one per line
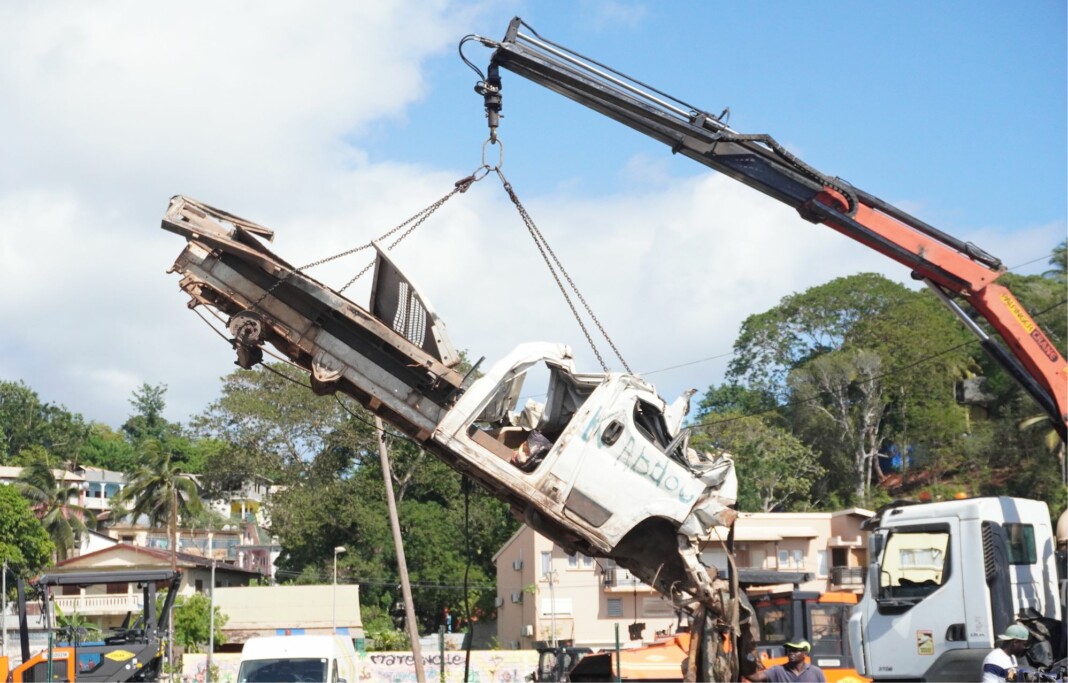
(292,573)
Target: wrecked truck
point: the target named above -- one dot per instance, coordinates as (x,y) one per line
(600,466)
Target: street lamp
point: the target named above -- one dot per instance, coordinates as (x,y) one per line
(337,551)
(550,576)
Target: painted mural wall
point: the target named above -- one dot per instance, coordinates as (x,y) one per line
(487,666)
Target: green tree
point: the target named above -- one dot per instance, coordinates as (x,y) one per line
(24,543)
(842,393)
(108,449)
(806,325)
(75,627)
(50,499)
(775,470)
(735,398)
(192,622)
(859,365)
(25,422)
(161,491)
(147,422)
(19,418)
(272,417)
(925,352)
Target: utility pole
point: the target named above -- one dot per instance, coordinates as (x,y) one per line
(3,614)
(211,608)
(402,565)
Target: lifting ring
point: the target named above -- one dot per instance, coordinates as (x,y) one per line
(493,140)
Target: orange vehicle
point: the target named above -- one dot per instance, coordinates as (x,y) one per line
(821,619)
(660,661)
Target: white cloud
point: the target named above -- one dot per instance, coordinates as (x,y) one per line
(262,109)
(616,13)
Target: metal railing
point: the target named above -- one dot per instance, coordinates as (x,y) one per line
(98,604)
(847,576)
(617,577)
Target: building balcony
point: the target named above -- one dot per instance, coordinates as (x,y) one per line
(847,576)
(619,580)
(99,605)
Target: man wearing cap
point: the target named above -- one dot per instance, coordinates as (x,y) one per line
(796,669)
(1000,665)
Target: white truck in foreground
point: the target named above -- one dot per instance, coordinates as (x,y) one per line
(946,578)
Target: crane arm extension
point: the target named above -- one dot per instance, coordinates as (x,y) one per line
(954,267)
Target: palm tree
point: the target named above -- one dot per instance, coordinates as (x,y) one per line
(159,490)
(1059,260)
(1052,439)
(50,499)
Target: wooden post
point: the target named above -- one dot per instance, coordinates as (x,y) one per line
(398,543)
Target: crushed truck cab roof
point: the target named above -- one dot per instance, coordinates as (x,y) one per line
(600,465)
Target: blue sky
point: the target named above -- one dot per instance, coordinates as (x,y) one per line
(960,106)
(334,121)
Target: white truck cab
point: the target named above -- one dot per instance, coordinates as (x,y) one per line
(946,578)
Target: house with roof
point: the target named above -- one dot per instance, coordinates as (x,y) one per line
(107,605)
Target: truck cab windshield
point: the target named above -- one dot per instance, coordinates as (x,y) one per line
(286,670)
(914,565)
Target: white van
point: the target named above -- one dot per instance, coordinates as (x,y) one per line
(291,659)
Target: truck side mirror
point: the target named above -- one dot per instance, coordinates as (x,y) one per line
(875,546)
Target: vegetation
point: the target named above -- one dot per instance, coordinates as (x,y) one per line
(192,622)
(50,499)
(74,627)
(864,373)
(24,543)
(159,490)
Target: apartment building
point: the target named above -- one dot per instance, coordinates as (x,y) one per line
(99,488)
(544,594)
(812,551)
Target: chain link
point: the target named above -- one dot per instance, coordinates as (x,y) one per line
(547,253)
(460,186)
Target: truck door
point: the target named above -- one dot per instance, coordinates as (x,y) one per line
(624,467)
(907,623)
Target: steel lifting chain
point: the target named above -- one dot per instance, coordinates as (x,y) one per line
(550,258)
(459,187)
(412,223)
